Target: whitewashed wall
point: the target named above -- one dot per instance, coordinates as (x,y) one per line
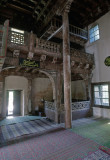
(41,89)
(101,50)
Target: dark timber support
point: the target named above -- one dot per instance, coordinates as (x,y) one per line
(58,94)
(2,97)
(29,95)
(66,69)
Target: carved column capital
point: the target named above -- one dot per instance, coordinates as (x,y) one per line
(67,6)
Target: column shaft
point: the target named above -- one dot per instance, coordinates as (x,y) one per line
(66,70)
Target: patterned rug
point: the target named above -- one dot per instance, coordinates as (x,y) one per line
(12,120)
(97,130)
(10,132)
(104,149)
(57,145)
(98,155)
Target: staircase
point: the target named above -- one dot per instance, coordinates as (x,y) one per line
(77,35)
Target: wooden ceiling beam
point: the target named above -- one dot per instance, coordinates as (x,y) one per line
(33,1)
(23,4)
(91,2)
(43,10)
(35,11)
(19,8)
(6,13)
(58,6)
(3,1)
(43,2)
(78,15)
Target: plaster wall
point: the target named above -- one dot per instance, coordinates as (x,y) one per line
(101,49)
(18,83)
(101,112)
(41,89)
(78,90)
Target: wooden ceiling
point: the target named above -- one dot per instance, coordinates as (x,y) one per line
(35,15)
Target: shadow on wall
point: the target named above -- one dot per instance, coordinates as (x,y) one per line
(42,90)
(78,90)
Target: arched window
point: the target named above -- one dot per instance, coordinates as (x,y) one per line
(94,34)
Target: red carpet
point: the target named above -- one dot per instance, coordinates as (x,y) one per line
(57,145)
(105,149)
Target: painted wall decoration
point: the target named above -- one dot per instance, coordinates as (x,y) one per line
(29,63)
(107,61)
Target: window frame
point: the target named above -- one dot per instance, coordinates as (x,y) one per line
(93,31)
(17,36)
(93,96)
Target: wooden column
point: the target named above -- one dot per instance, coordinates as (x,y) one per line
(88,93)
(88,87)
(3,104)
(31,42)
(31,45)
(29,95)
(58,95)
(66,70)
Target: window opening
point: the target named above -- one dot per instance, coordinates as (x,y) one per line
(94,34)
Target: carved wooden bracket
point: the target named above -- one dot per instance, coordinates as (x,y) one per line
(54,60)
(68,5)
(18,69)
(34,71)
(27,69)
(73,63)
(43,58)
(16,53)
(65,7)
(30,55)
(87,66)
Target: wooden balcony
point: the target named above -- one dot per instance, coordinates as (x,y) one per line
(49,55)
(77,35)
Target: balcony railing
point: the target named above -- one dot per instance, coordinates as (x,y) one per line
(23,39)
(49,105)
(78,32)
(75,105)
(47,45)
(73,29)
